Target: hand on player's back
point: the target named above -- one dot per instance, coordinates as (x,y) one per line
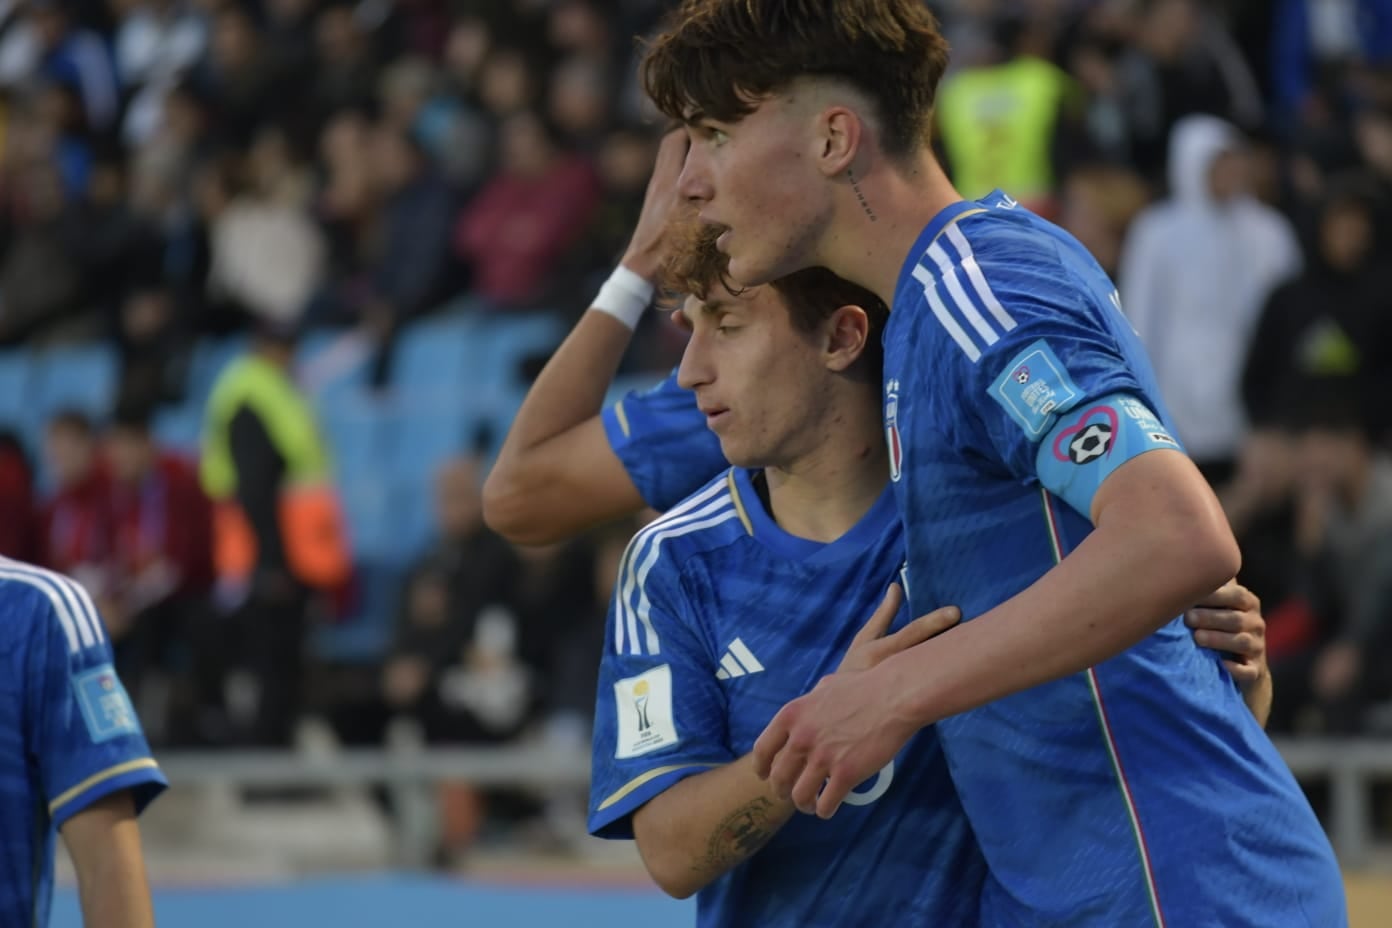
(1229,620)
(871,645)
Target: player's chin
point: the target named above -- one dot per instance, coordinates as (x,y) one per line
(738,453)
(750,269)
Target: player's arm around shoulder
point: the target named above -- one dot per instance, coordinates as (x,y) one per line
(701,828)
(103,840)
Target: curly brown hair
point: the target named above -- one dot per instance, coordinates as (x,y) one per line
(696,266)
(721,58)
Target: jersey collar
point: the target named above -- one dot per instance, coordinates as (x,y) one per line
(883,515)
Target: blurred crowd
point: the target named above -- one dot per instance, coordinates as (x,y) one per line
(177,169)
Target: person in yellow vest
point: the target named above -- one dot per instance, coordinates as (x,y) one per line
(1003,123)
(278,531)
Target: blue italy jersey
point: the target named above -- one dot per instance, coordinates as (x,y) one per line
(719,619)
(661,437)
(68,734)
(1141,792)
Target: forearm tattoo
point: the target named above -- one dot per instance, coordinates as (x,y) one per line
(738,836)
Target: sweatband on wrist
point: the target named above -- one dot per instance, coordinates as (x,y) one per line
(625,296)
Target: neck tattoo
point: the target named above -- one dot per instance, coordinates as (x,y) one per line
(864,204)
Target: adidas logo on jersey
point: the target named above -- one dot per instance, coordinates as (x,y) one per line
(738,661)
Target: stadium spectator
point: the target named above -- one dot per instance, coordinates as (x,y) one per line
(1326,49)
(47,45)
(240,76)
(19,530)
(1373,135)
(345,72)
(157,43)
(1344,534)
(40,272)
(266,252)
(75,522)
(1331,321)
(1195,272)
(1007,122)
(276,531)
(161,567)
(1179,61)
(516,230)
(457,585)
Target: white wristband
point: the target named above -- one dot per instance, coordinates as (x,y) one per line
(625,296)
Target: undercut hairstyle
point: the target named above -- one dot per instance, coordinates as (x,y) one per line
(811,296)
(720,59)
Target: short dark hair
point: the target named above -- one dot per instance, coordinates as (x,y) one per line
(72,420)
(131,414)
(811,295)
(720,58)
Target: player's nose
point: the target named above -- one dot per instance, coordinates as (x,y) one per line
(694,184)
(694,370)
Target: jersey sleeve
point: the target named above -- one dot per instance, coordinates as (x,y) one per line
(1052,396)
(82,730)
(660,715)
(661,437)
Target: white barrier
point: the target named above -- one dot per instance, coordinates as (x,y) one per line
(1349,766)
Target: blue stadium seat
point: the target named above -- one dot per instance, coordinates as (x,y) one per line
(77,377)
(210,356)
(359,430)
(364,636)
(179,428)
(507,341)
(330,364)
(16,375)
(434,355)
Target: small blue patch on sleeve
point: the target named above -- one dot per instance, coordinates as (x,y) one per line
(105,706)
(1035,388)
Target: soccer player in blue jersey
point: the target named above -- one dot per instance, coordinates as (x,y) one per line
(691,674)
(1105,763)
(73,758)
(566,467)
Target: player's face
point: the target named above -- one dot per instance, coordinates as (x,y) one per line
(757,178)
(760,382)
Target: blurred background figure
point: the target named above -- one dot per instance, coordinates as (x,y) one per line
(376,220)
(161,571)
(1343,539)
(266,469)
(75,520)
(1195,272)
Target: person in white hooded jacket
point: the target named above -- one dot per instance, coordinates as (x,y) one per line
(1196,270)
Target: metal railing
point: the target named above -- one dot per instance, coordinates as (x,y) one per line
(1350,767)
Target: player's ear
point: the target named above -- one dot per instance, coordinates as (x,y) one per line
(841,132)
(847,335)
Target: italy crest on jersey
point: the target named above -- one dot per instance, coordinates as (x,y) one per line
(891,416)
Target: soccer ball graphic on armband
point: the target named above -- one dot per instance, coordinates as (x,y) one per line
(1090,443)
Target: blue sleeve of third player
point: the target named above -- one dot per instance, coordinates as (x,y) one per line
(662,440)
(82,728)
(660,712)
